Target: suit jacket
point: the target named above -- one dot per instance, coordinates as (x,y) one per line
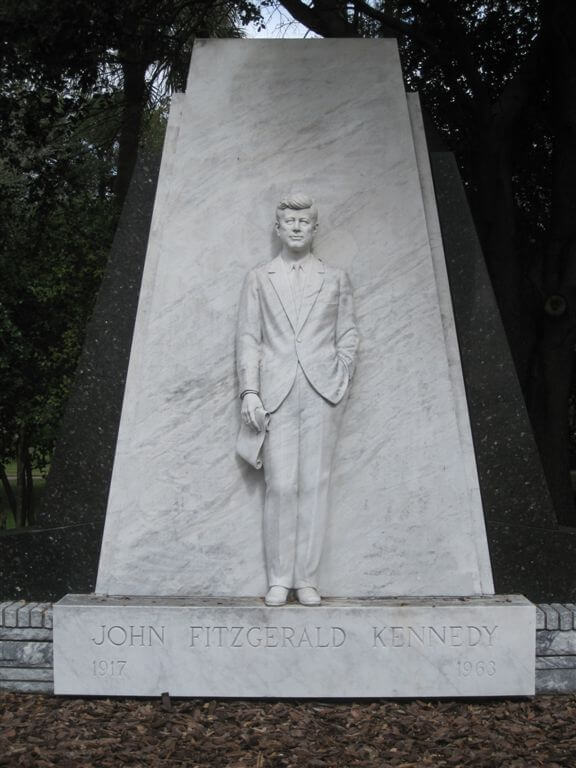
(272,339)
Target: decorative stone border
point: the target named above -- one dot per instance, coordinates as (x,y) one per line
(556,648)
(26,647)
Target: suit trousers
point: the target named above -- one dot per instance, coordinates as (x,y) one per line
(298,454)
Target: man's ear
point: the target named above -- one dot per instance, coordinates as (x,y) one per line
(277,226)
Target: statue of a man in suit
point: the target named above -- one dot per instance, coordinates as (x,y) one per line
(296,347)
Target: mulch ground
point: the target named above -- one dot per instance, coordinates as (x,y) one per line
(43,731)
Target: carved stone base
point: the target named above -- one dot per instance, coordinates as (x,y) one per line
(393,647)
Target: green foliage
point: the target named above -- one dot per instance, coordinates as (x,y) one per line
(470,54)
(56,223)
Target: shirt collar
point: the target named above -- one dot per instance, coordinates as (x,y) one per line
(303,264)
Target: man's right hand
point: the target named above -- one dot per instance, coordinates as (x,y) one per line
(250,403)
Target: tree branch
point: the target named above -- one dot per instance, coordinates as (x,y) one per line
(321,18)
(397,25)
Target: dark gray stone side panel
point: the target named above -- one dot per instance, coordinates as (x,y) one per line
(530,554)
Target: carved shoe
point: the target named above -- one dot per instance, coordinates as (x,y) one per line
(308,596)
(276,595)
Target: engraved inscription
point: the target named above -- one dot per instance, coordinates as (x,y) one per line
(476,668)
(266,637)
(106,668)
(140,635)
(430,636)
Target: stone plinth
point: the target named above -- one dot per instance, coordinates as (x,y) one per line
(414,647)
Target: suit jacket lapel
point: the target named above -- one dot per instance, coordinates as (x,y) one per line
(279,279)
(314,283)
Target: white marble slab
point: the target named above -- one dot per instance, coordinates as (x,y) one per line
(345,648)
(260,118)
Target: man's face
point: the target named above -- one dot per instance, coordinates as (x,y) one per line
(296,229)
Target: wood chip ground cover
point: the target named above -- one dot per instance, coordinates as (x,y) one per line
(44,731)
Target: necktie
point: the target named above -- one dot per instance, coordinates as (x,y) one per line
(298,284)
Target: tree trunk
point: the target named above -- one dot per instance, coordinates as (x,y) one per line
(20,517)
(549,398)
(11,499)
(103,173)
(135,93)
(324,17)
(554,358)
(29,513)
(24,514)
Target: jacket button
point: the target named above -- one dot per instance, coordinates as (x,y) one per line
(299,340)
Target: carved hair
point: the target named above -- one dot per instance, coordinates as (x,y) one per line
(297,202)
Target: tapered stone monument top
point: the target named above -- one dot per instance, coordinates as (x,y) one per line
(260,119)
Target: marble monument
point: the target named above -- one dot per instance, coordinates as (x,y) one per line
(404,571)
(406,515)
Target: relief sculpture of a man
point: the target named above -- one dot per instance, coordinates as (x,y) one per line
(296,347)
